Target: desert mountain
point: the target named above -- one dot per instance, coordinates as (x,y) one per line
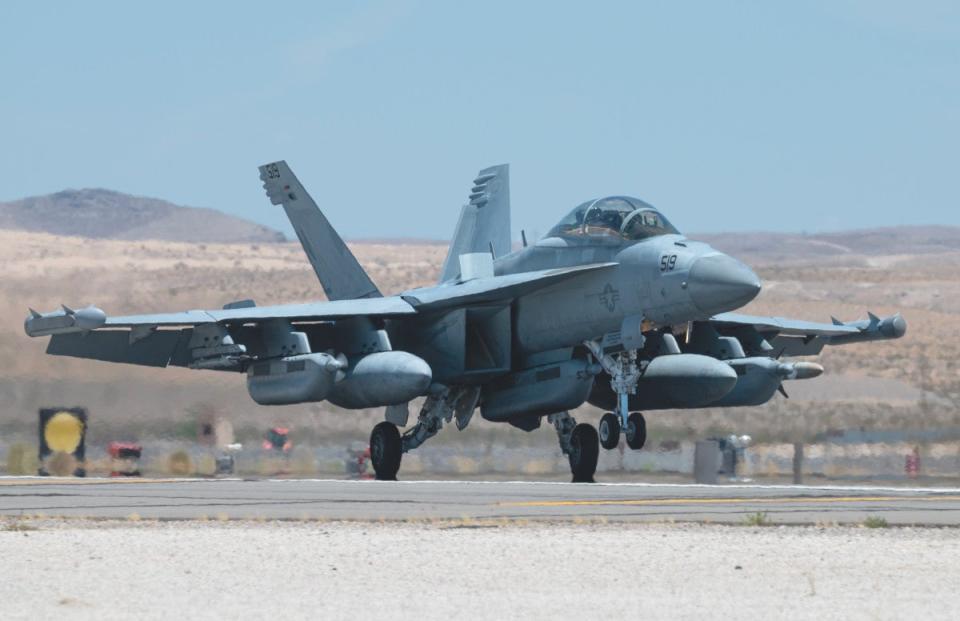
(899,240)
(105,214)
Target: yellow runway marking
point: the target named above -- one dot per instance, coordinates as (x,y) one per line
(80,481)
(719,501)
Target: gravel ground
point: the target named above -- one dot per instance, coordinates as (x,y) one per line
(475,570)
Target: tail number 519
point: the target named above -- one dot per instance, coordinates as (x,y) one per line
(668,262)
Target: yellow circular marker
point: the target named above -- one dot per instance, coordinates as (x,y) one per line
(63,432)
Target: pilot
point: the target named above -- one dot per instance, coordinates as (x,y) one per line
(603,221)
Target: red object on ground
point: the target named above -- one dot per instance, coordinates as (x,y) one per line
(912,466)
(125,457)
(362,459)
(278,440)
(125,450)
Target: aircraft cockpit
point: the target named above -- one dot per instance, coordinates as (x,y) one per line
(614,218)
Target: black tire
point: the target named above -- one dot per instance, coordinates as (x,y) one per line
(609,431)
(386,449)
(636,431)
(584,451)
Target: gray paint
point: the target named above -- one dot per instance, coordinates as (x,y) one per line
(337,269)
(383,378)
(612,272)
(537,391)
(295,379)
(484,222)
(673,381)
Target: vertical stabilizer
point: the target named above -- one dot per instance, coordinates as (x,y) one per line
(338,270)
(484,223)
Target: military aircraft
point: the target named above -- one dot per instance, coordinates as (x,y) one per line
(613,307)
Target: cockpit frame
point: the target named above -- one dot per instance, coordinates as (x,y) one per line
(613,218)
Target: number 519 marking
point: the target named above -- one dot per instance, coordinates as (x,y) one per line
(668,262)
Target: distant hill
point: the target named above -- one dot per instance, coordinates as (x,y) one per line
(878,241)
(105,214)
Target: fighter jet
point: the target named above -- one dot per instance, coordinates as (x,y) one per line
(613,307)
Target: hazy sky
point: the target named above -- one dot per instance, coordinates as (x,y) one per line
(726,115)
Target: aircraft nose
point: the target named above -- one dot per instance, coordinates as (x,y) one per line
(719,283)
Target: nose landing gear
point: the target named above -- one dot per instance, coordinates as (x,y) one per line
(625,373)
(609,430)
(636,431)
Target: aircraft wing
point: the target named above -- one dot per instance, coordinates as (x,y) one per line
(229,338)
(315,311)
(779,336)
(494,288)
(208,339)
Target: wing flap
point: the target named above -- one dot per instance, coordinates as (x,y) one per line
(154,350)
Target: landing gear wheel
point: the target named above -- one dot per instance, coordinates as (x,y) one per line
(584,450)
(385,451)
(636,431)
(609,430)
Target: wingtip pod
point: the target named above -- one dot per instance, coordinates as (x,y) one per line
(873,329)
(893,327)
(64,321)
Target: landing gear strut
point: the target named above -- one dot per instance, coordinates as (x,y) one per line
(580,443)
(624,374)
(387,446)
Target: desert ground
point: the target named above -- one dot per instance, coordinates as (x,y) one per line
(476,570)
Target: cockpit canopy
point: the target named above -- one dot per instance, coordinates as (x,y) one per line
(614,218)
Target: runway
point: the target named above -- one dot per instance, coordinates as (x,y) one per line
(450,500)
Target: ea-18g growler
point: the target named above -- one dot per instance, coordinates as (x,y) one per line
(613,307)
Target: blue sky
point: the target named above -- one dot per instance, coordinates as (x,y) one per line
(800,116)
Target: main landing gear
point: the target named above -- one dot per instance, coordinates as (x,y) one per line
(580,443)
(387,446)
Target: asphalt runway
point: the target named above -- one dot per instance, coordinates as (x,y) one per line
(439,500)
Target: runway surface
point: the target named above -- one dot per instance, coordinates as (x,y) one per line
(437,500)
